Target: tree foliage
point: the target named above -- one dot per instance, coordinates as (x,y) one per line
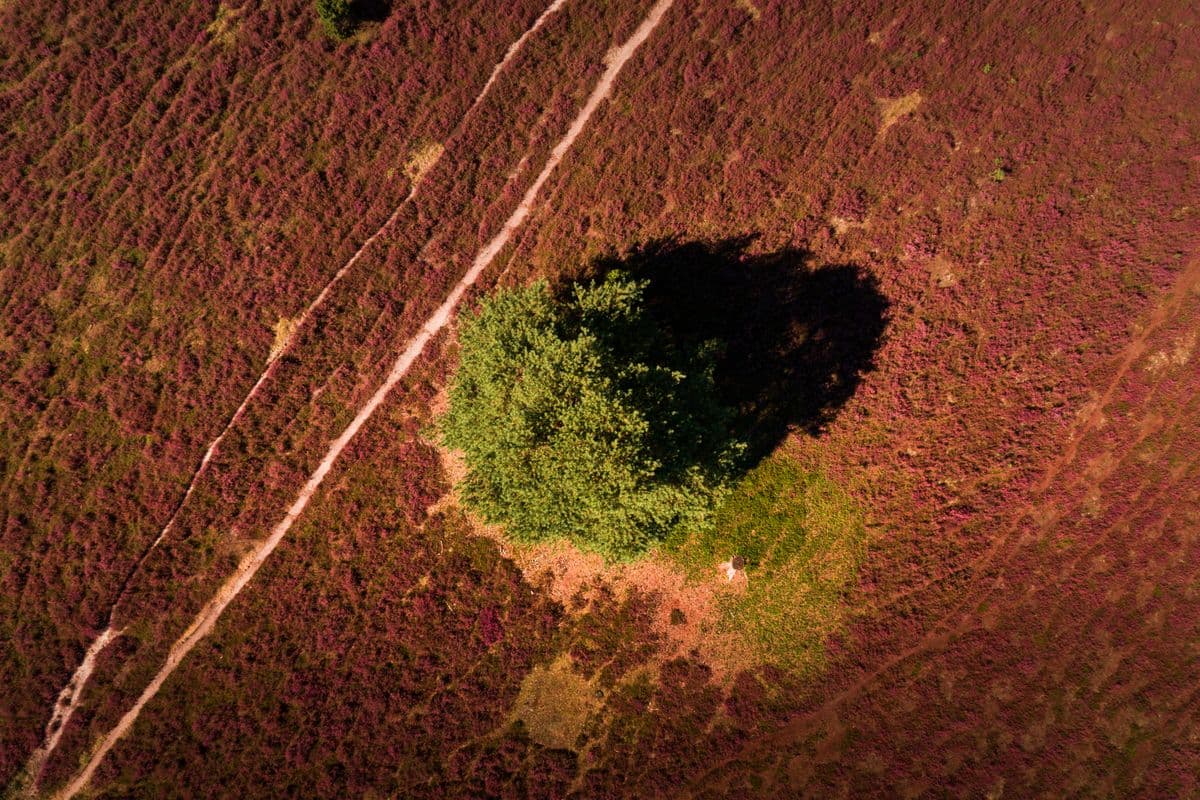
(579,418)
(335,17)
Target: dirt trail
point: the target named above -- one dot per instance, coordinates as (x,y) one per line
(321,297)
(250,565)
(65,705)
(1089,417)
(514,48)
(68,697)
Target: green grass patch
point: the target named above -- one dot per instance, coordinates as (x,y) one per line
(803,538)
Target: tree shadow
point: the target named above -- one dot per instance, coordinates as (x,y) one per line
(370,10)
(795,341)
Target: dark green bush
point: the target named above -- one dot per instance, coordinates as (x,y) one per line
(336,17)
(579,419)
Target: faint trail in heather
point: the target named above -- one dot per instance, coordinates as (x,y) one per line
(250,564)
(68,697)
(321,297)
(944,629)
(509,55)
(1089,417)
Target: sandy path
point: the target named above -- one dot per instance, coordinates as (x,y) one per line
(65,704)
(206,620)
(68,698)
(320,299)
(514,48)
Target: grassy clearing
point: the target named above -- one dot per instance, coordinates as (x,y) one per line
(802,538)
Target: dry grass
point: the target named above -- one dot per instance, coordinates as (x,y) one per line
(554,703)
(1178,355)
(841,225)
(225,26)
(748,6)
(284,328)
(892,109)
(803,539)
(422,159)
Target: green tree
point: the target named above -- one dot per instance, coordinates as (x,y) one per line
(335,17)
(580,419)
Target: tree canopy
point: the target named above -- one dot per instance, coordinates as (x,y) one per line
(579,418)
(336,17)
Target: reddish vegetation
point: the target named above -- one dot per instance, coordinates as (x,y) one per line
(1011,301)
(400,640)
(1025,616)
(134,360)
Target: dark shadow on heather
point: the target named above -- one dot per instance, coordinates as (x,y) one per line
(370,10)
(795,339)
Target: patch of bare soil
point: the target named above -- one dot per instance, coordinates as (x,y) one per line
(892,109)
(942,273)
(841,225)
(686,612)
